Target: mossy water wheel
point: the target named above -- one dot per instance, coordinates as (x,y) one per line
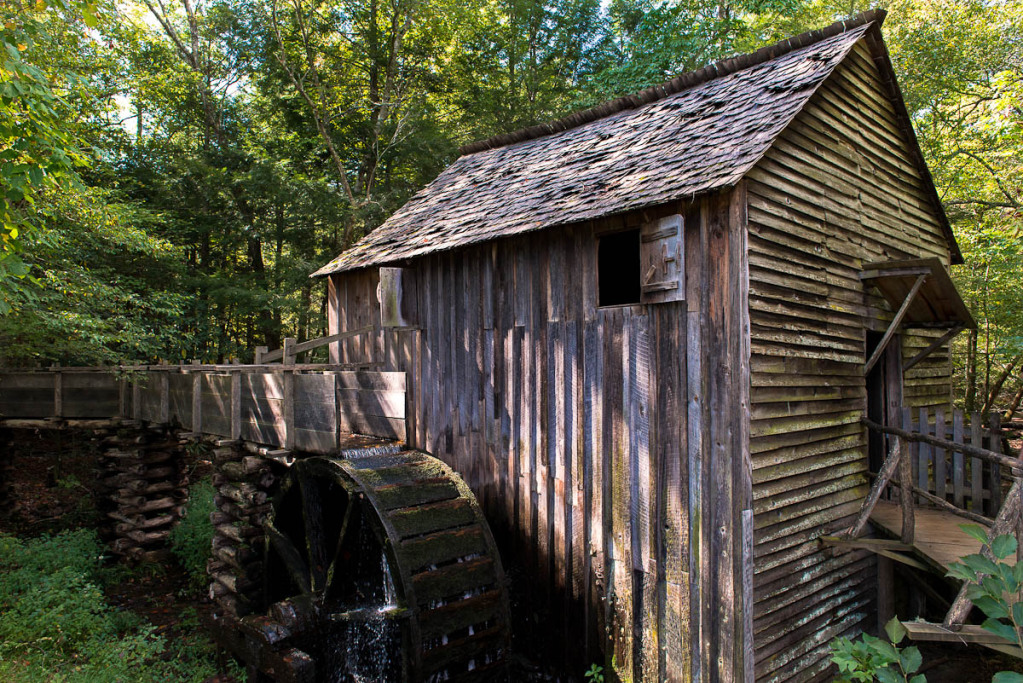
(381,568)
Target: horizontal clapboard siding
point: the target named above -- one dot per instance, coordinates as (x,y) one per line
(837,190)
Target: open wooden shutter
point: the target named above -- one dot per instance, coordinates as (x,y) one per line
(661,254)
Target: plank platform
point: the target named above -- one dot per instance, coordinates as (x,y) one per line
(938,536)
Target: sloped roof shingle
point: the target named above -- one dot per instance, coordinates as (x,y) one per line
(700,132)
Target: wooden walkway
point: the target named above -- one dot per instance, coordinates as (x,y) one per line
(938,536)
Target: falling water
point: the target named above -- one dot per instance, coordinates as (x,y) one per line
(366,645)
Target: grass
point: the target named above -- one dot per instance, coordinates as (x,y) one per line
(56,624)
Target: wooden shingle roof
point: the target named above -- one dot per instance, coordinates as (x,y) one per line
(697,133)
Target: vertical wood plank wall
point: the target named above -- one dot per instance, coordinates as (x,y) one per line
(582,430)
(836,191)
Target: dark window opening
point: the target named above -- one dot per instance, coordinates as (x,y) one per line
(618,269)
(875,404)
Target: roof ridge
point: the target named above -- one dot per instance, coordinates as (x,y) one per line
(676,84)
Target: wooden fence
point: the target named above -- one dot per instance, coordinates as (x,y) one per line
(299,407)
(968,483)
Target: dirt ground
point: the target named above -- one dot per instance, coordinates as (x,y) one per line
(51,490)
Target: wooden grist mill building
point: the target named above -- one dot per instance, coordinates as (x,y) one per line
(640,334)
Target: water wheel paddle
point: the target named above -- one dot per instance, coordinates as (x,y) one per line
(380,568)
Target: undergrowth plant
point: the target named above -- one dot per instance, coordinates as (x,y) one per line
(192,539)
(56,625)
(996,588)
(994,585)
(872,659)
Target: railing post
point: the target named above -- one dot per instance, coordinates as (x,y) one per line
(289,410)
(165,397)
(196,399)
(260,352)
(289,351)
(58,391)
(995,445)
(236,405)
(977,465)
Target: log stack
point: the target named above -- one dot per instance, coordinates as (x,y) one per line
(244,482)
(143,488)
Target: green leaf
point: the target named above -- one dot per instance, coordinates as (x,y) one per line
(1000,629)
(919,678)
(1007,677)
(995,609)
(911,659)
(887,675)
(977,531)
(1003,546)
(980,564)
(895,630)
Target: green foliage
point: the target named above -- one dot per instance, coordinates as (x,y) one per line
(995,587)
(873,659)
(595,674)
(192,539)
(55,624)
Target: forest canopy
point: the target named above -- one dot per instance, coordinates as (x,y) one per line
(172,170)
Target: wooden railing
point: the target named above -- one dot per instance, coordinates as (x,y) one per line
(968,482)
(288,354)
(947,473)
(301,407)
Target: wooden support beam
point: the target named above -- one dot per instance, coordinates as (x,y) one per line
(891,464)
(896,321)
(969,633)
(934,346)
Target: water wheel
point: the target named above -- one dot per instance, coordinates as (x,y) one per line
(379,569)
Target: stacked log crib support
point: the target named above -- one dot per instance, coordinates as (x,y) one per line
(243,482)
(143,488)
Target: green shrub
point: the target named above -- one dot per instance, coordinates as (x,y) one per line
(55,623)
(871,659)
(192,539)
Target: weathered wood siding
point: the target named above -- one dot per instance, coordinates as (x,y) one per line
(836,190)
(598,440)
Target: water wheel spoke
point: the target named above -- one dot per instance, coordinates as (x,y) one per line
(315,535)
(345,522)
(290,555)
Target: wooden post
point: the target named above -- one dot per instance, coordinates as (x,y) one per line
(289,410)
(976,466)
(940,461)
(958,461)
(136,399)
(196,400)
(260,352)
(995,485)
(164,397)
(236,405)
(891,464)
(289,351)
(893,390)
(58,393)
(924,478)
(122,397)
